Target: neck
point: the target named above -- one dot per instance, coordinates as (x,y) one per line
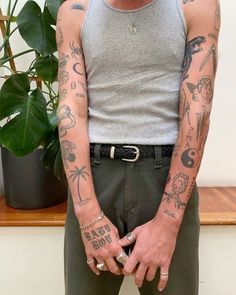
(128,4)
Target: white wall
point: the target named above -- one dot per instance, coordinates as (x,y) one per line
(219,158)
(31,261)
(219,161)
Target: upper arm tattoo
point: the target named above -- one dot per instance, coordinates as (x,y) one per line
(77,6)
(76,50)
(203,89)
(217,16)
(192,47)
(60,37)
(211,53)
(187,1)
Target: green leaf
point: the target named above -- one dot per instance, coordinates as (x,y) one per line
(47,68)
(25,132)
(53,6)
(12,95)
(52,159)
(35,28)
(53,120)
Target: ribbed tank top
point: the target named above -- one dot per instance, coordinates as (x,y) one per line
(133,73)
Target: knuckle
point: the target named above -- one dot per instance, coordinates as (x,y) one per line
(138,278)
(165,260)
(105,254)
(116,249)
(137,254)
(126,270)
(146,260)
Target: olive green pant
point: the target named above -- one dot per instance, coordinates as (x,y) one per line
(129,194)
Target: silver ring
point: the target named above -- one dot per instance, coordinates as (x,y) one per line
(90,261)
(122,257)
(164,274)
(101,266)
(130,237)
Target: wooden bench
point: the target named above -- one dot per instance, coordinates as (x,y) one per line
(217,207)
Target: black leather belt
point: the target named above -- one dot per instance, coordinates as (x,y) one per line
(130,153)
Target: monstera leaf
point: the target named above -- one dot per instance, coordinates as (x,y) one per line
(29,124)
(46,68)
(53,6)
(35,28)
(52,159)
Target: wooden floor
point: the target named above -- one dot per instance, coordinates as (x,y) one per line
(217,206)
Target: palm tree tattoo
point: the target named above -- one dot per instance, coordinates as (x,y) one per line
(76,174)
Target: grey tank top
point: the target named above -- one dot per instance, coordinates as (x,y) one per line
(133,61)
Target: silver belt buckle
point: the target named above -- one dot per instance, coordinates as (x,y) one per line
(136,151)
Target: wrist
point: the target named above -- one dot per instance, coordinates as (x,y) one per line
(169,218)
(88,213)
(86,226)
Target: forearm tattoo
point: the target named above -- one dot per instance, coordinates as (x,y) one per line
(184,106)
(67,151)
(62,94)
(169,213)
(202,119)
(190,158)
(178,187)
(77,174)
(99,237)
(66,120)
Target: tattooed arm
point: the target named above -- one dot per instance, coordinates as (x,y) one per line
(72,109)
(195,105)
(155,240)
(100,239)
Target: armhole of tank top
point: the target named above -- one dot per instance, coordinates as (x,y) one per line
(182,17)
(85,18)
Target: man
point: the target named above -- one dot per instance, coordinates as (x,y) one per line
(136,86)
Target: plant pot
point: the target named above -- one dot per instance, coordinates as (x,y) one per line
(28,184)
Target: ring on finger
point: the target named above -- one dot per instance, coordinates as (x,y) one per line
(90,261)
(122,257)
(101,266)
(164,274)
(130,237)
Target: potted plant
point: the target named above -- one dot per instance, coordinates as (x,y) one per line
(28,103)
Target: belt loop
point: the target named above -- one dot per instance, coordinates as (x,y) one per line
(158,156)
(97,156)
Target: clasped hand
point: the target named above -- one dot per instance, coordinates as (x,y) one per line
(153,249)
(154,246)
